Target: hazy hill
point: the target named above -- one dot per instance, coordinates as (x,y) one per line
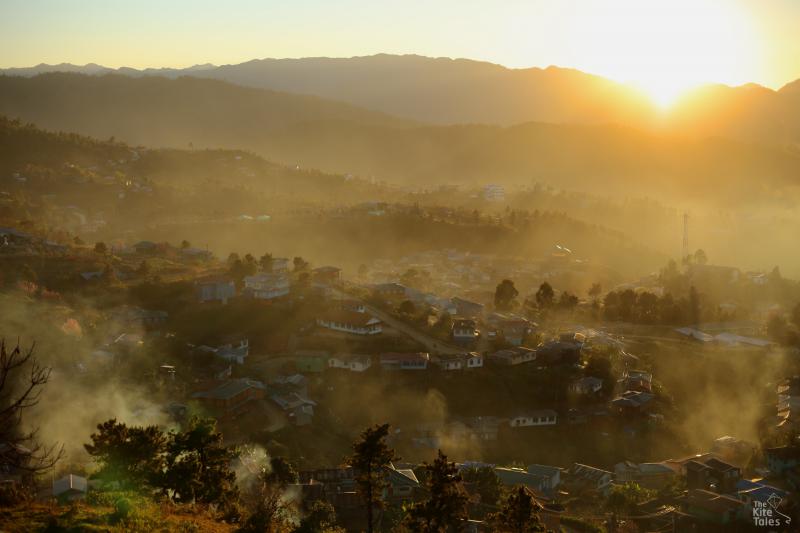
(437,90)
(336,137)
(448,91)
(157,110)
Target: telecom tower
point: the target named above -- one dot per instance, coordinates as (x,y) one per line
(685,236)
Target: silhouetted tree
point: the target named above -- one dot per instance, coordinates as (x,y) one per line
(484,482)
(519,514)
(22,380)
(595,290)
(198,465)
(445,511)
(504,295)
(100,248)
(370,457)
(185,244)
(266,262)
(545,296)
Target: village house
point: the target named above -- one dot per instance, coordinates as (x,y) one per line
(464,332)
(279,265)
(712,474)
(231,396)
(355,306)
(549,478)
(459,361)
(404,361)
(465,308)
(299,409)
(542,417)
(235,350)
(350,322)
(351,362)
(266,286)
(586,386)
(631,403)
(197,254)
(215,289)
(514,331)
(782,459)
(566,350)
(513,356)
(328,275)
(647,475)
(389,290)
(636,380)
(513,477)
(733,450)
(293,383)
(756,491)
(711,507)
(584,477)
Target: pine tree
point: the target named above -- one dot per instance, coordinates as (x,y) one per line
(370,456)
(446,509)
(518,514)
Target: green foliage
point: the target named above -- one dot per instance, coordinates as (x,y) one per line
(190,466)
(579,524)
(445,510)
(624,498)
(198,465)
(132,457)
(518,514)
(320,518)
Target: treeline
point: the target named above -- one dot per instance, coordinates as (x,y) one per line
(649,308)
(193,466)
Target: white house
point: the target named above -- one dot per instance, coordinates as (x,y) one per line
(474,360)
(449,361)
(404,361)
(349,361)
(458,361)
(543,417)
(266,286)
(279,265)
(350,322)
(514,356)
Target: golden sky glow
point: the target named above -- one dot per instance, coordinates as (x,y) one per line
(662,47)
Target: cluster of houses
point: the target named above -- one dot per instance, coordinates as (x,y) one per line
(271,283)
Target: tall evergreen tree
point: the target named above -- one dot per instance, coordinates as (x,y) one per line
(518,514)
(445,511)
(370,456)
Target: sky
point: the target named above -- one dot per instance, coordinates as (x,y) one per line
(662,47)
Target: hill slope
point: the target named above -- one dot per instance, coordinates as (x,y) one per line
(450,91)
(313,133)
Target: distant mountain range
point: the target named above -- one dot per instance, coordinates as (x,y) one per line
(316,133)
(461,91)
